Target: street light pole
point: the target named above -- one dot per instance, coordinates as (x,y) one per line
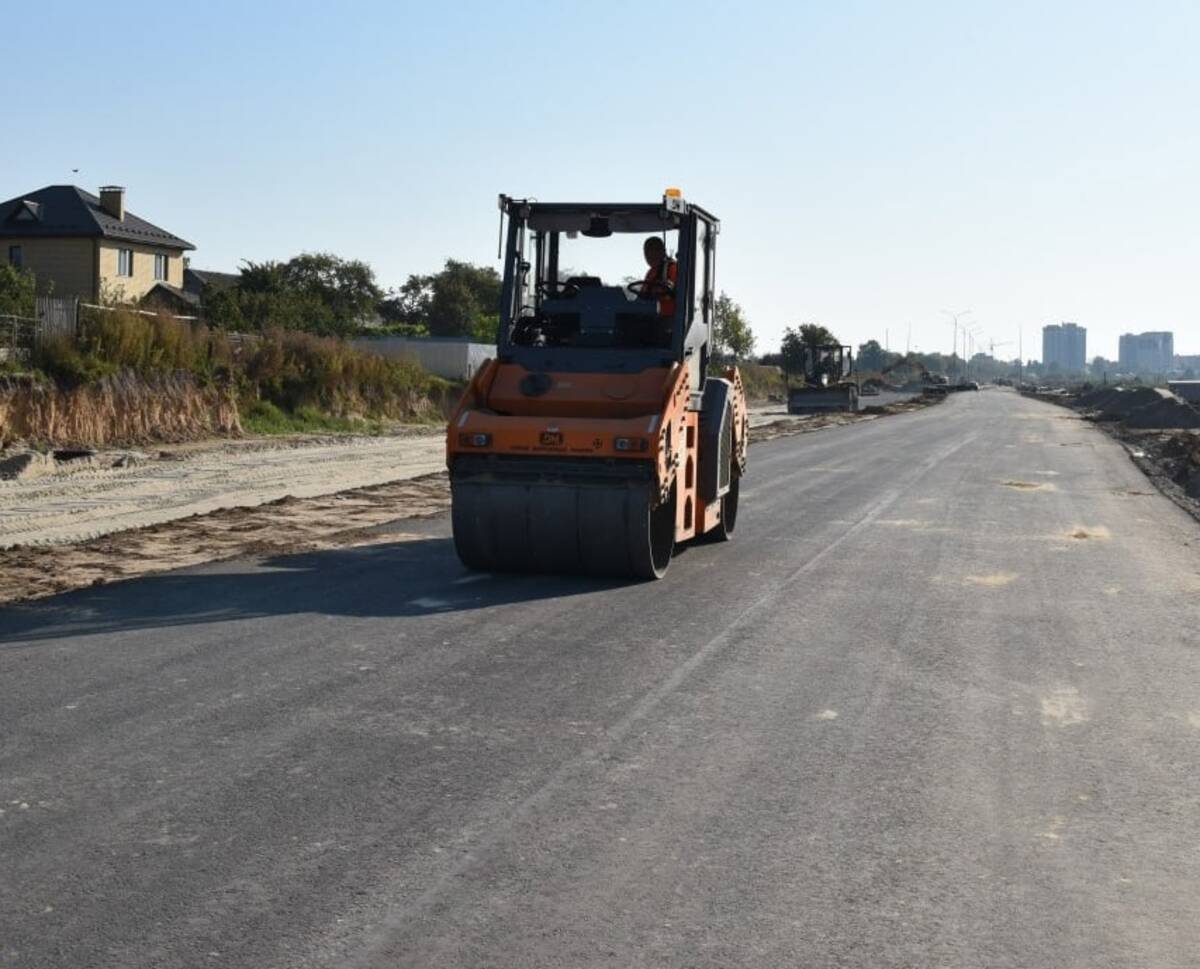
(955,317)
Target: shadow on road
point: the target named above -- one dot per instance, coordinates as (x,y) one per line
(410,578)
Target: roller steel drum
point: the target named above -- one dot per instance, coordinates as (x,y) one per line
(523,524)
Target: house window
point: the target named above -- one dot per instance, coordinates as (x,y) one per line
(16,257)
(160,266)
(124,262)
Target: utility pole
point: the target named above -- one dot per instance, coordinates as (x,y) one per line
(955,317)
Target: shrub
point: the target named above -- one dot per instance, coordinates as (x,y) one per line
(18,290)
(296,370)
(762,382)
(286,380)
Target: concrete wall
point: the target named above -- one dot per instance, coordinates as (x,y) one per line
(65,267)
(134,287)
(452,359)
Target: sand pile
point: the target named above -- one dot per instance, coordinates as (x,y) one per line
(121,409)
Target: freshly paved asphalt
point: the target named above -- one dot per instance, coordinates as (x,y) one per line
(938,704)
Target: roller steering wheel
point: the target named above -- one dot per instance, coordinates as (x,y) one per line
(641,289)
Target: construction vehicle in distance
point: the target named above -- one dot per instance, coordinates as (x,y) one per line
(596,441)
(930,384)
(826,384)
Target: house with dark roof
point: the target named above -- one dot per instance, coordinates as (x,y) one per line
(200,280)
(78,244)
(198,286)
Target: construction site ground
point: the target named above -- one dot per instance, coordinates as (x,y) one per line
(115,515)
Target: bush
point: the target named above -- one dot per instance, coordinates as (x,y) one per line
(154,344)
(61,360)
(296,370)
(18,291)
(762,382)
(285,380)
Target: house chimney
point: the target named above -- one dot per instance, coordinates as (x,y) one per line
(112,200)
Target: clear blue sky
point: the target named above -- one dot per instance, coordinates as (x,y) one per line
(873,163)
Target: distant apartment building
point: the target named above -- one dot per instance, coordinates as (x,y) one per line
(1147,352)
(1184,363)
(1065,345)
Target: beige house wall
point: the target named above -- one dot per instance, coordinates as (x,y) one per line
(64,267)
(133,288)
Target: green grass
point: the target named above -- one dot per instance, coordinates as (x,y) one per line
(263,417)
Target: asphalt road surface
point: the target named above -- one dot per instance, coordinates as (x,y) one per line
(938,705)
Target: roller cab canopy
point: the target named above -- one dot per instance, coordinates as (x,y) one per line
(575,298)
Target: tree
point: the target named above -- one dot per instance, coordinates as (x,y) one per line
(462,294)
(409,305)
(871,356)
(796,343)
(815,335)
(317,292)
(731,336)
(461,300)
(792,352)
(345,287)
(487,328)
(18,291)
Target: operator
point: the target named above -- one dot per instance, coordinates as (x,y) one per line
(659,282)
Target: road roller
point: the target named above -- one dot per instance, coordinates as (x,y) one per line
(825,381)
(597,440)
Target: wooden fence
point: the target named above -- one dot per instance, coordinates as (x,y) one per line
(56,316)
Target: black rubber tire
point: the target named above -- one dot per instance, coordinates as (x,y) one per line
(555,528)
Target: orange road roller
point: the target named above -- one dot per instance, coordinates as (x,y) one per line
(597,439)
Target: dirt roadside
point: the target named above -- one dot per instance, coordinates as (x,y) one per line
(126,525)
(284,525)
(1160,433)
(87,498)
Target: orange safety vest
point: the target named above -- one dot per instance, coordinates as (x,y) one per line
(660,283)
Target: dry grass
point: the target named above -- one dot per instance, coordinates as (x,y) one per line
(281,378)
